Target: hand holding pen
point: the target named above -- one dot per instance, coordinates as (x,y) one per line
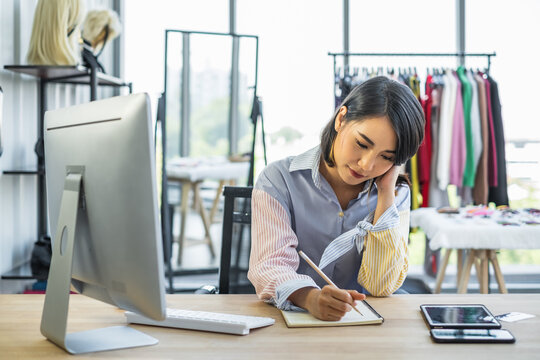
(331,303)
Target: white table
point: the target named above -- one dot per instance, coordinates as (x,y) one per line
(480,235)
(190,173)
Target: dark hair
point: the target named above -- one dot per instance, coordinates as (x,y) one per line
(377,97)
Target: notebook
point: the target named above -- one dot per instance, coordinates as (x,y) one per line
(305,319)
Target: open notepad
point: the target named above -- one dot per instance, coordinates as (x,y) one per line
(305,319)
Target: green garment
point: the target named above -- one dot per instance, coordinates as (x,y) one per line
(469,173)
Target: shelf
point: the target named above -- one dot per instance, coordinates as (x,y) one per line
(52,74)
(22,272)
(24,172)
(65,74)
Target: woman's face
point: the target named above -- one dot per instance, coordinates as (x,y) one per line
(363,149)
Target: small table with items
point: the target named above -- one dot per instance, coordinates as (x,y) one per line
(190,173)
(481,231)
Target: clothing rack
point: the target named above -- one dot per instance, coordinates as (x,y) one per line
(457,55)
(431,258)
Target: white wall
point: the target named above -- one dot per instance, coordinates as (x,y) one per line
(18,193)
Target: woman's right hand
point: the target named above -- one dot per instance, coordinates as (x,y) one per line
(331,303)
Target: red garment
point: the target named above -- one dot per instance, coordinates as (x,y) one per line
(492,150)
(424,151)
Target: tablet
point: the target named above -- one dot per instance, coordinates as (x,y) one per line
(472,336)
(473,316)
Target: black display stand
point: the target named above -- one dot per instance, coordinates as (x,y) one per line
(52,74)
(184,116)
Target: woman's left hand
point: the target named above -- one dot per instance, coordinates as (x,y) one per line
(387,181)
(386,190)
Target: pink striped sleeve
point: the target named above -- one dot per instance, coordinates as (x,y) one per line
(273,258)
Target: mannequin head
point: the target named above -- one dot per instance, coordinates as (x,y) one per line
(55,33)
(100,27)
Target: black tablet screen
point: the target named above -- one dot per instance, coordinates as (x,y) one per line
(456,315)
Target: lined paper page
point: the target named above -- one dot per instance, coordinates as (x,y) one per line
(305,319)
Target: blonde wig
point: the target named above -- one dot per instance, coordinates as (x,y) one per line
(55,33)
(99,27)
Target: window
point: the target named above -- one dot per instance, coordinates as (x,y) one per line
(144,32)
(507,29)
(403,27)
(210,86)
(295,71)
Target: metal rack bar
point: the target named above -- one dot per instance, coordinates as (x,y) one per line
(346,56)
(460,55)
(415,54)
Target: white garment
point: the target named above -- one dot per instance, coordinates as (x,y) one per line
(446,120)
(476,126)
(437,197)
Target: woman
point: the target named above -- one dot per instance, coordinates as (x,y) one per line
(343,203)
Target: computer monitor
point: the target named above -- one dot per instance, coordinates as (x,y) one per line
(103,211)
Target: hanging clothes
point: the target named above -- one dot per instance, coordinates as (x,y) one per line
(1,146)
(448,104)
(464,137)
(499,193)
(480,190)
(416,196)
(437,197)
(458,151)
(492,151)
(476,126)
(424,152)
(469,171)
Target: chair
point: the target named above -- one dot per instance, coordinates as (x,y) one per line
(236,241)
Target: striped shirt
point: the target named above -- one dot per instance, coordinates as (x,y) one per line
(294,208)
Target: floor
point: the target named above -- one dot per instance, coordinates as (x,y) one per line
(196,256)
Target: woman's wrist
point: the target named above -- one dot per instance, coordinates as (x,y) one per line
(384,201)
(304,297)
(386,192)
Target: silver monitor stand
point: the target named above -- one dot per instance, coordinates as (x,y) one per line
(55,309)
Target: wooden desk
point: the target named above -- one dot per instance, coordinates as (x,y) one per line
(402,335)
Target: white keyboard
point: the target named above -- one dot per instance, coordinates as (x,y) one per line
(205,321)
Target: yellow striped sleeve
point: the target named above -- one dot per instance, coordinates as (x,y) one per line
(386,258)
